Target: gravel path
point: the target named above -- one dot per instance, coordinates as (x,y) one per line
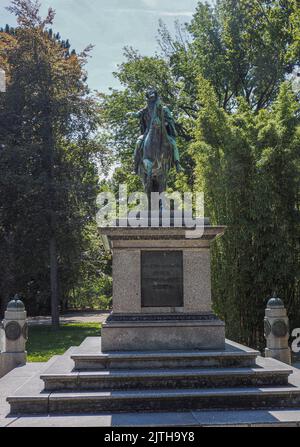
(72,317)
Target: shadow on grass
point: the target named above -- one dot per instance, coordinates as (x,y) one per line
(44,342)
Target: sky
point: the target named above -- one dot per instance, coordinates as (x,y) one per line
(110,25)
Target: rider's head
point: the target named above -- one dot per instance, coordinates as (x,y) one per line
(151,95)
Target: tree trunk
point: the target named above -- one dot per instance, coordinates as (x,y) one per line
(54,283)
(50,149)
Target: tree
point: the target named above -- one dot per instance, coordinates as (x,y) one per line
(49,181)
(248,166)
(245,48)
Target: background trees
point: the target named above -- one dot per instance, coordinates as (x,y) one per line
(48,177)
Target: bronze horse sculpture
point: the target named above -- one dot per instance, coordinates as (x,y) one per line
(156,150)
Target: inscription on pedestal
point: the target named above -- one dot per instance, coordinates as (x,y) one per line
(162,278)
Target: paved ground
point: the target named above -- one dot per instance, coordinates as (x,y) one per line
(9,385)
(280,418)
(72,317)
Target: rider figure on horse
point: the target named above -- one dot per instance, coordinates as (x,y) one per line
(146,116)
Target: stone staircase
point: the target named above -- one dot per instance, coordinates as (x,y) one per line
(86,381)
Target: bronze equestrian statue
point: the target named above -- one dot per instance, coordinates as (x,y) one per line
(156,150)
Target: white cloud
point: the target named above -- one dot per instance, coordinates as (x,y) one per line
(176,14)
(150,11)
(151,3)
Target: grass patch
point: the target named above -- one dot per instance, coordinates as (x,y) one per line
(44,342)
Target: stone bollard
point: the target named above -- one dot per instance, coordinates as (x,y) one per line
(276,324)
(14,334)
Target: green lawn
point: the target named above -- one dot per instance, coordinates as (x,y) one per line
(44,342)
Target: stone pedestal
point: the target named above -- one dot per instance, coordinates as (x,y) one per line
(276,325)
(161,290)
(13,337)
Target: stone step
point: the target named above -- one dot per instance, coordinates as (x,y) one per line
(154,400)
(167,379)
(231,357)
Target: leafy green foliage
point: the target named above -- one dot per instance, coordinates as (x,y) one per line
(243,47)
(248,166)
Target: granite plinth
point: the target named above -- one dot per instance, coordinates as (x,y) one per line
(162,332)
